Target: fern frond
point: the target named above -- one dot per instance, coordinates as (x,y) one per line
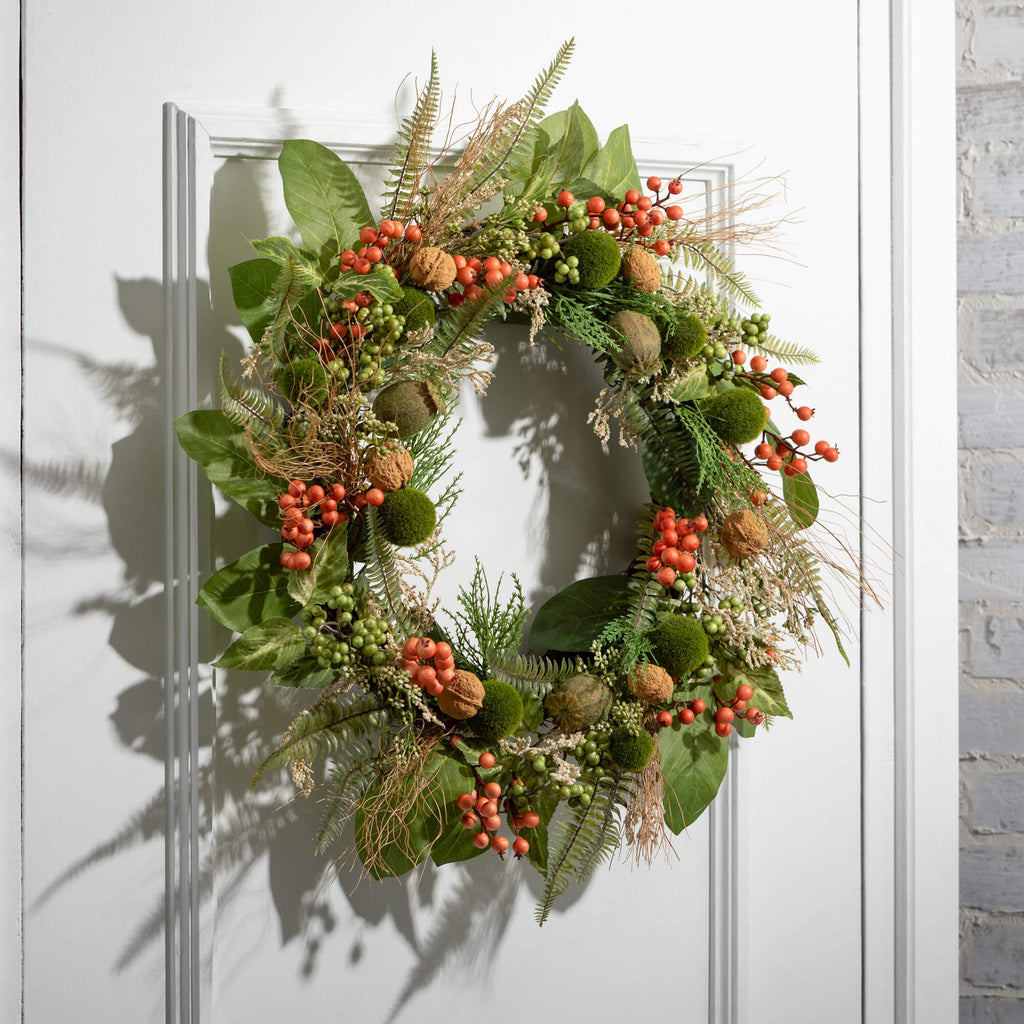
(462,326)
(411,155)
(383,577)
(531,112)
(578,322)
(590,835)
(703,254)
(783,350)
(352,771)
(248,407)
(323,729)
(530,673)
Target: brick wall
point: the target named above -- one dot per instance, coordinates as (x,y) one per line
(990,129)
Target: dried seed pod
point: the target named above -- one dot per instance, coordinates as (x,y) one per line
(390,470)
(639,342)
(650,684)
(432,268)
(641,270)
(463,697)
(744,533)
(579,702)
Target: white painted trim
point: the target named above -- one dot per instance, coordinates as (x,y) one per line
(12,594)
(909,345)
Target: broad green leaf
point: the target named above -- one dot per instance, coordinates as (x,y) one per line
(768,694)
(693,386)
(329,568)
(613,168)
(254,288)
(693,763)
(380,282)
(249,590)
(323,196)
(304,674)
(454,842)
(267,645)
(801,499)
(285,253)
(575,617)
(572,143)
(533,712)
(218,445)
(545,805)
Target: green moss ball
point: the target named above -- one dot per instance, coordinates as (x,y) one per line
(501,712)
(631,751)
(685,338)
(598,254)
(407,517)
(639,341)
(737,415)
(416,307)
(409,404)
(680,645)
(304,379)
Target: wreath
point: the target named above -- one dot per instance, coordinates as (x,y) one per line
(445,732)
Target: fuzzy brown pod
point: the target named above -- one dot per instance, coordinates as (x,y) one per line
(650,684)
(390,470)
(463,697)
(579,702)
(641,270)
(432,268)
(639,342)
(744,534)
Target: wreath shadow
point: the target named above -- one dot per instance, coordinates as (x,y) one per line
(540,398)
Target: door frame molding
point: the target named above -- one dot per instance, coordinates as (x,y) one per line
(909,666)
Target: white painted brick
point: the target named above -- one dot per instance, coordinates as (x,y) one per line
(991,1010)
(997,336)
(993,569)
(991,264)
(991,717)
(996,801)
(991,415)
(995,952)
(990,113)
(998,489)
(999,185)
(999,38)
(990,877)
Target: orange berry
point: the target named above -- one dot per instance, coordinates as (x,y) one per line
(499,844)
(520,846)
(486,760)
(493,822)
(492,790)
(425,648)
(758,364)
(531,819)
(481,840)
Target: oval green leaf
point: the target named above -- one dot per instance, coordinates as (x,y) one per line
(575,617)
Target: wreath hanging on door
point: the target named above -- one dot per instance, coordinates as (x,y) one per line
(443,735)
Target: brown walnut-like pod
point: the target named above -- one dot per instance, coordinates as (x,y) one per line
(641,270)
(390,470)
(432,268)
(744,533)
(650,684)
(463,697)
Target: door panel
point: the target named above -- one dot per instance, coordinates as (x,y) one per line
(759,919)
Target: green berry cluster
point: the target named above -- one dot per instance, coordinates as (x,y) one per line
(567,270)
(544,247)
(339,636)
(755,328)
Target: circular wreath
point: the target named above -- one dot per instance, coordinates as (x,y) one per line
(442,736)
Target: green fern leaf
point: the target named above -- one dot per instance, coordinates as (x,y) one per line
(530,673)
(324,729)
(250,408)
(782,350)
(411,155)
(350,774)
(383,577)
(704,255)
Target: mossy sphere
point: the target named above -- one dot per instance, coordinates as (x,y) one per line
(407,517)
(685,338)
(500,712)
(598,254)
(416,307)
(303,380)
(737,415)
(463,697)
(680,645)
(409,404)
(639,341)
(630,751)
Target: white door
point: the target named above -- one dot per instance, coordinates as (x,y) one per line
(790,902)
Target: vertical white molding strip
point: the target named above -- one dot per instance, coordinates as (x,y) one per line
(725,932)
(181,677)
(12,595)
(925,488)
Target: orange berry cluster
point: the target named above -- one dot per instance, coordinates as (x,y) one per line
(375,241)
(483,810)
(675,549)
(725,714)
(432,678)
(306,508)
(493,272)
